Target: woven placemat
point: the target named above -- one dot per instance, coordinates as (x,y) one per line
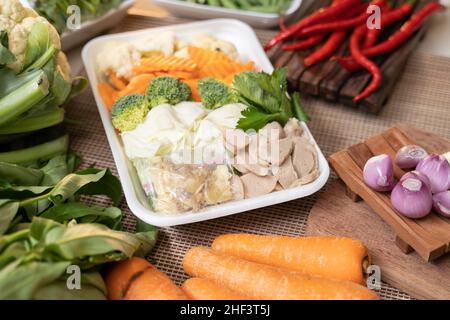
(421,98)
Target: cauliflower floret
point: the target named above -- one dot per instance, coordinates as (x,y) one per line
(120,57)
(6,24)
(163,42)
(206,41)
(15,11)
(18,35)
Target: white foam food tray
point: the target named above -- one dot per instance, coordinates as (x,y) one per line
(245,40)
(199,11)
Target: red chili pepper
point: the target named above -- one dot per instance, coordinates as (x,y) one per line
(304,44)
(408,28)
(373,34)
(388,17)
(340,24)
(399,37)
(336,9)
(328,49)
(361,59)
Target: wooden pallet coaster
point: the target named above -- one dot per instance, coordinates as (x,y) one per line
(429,236)
(329,80)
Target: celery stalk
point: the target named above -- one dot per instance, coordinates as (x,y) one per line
(33,123)
(44,151)
(23,98)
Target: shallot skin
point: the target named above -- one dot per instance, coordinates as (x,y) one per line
(378,173)
(412,198)
(437,169)
(441,203)
(409,156)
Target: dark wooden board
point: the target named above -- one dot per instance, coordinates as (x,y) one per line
(331,81)
(429,236)
(336,214)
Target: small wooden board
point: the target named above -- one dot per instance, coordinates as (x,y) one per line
(337,215)
(331,81)
(429,236)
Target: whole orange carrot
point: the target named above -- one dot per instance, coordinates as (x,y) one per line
(328,257)
(204,289)
(137,279)
(263,282)
(119,276)
(152,284)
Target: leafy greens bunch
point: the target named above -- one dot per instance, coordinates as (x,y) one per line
(267,98)
(44,229)
(56,11)
(35,77)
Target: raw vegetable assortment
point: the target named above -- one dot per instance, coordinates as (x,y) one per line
(178,98)
(349,17)
(261,6)
(56,11)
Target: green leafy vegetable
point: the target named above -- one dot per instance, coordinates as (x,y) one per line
(34,261)
(267,99)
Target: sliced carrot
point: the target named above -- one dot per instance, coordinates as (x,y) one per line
(328,257)
(264,282)
(167,64)
(193,84)
(120,275)
(138,84)
(204,289)
(108,94)
(117,81)
(152,284)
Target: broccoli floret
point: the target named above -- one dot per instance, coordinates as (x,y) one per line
(129,111)
(215,93)
(167,90)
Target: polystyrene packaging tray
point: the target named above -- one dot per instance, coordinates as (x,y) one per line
(249,48)
(199,11)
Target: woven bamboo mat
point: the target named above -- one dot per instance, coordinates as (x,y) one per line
(422,98)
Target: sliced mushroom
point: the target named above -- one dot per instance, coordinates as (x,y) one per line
(241,168)
(256,154)
(293,128)
(256,186)
(258,169)
(306,179)
(303,157)
(278,187)
(287,175)
(236,139)
(272,130)
(237,188)
(284,149)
